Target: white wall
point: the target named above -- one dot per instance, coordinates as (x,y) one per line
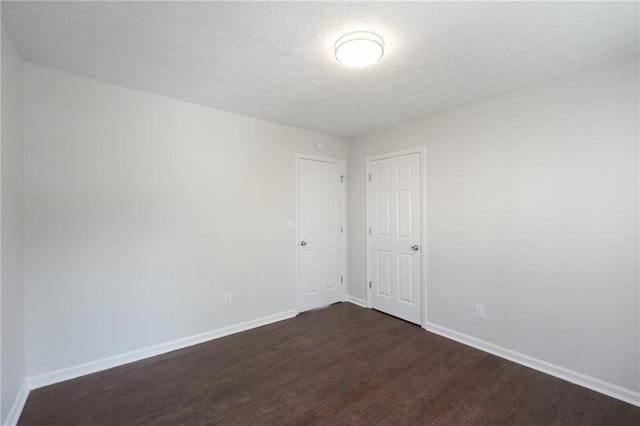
(532,211)
(12,294)
(141,212)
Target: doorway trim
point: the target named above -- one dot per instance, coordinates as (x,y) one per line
(422,150)
(345,257)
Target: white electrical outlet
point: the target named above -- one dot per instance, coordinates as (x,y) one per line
(480,311)
(227,299)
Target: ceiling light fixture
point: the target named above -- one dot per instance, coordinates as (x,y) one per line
(359,49)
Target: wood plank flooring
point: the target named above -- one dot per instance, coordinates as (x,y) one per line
(340,365)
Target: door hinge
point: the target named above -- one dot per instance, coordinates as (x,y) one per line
(369,230)
(369,177)
(341,229)
(369,284)
(342,179)
(341,280)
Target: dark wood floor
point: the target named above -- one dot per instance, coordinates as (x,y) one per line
(340,365)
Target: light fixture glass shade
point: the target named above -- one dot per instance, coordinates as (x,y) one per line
(359,49)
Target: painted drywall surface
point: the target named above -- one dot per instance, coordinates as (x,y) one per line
(532,211)
(13,304)
(437,53)
(142,212)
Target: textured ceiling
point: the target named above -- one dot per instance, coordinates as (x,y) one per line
(275,61)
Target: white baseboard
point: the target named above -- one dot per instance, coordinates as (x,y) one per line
(614,391)
(357,301)
(46,379)
(90,367)
(18,405)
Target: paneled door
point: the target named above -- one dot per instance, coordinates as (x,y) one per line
(321,242)
(394,199)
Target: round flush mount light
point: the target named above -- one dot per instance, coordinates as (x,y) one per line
(359,49)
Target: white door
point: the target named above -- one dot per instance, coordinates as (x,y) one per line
(395,228)
(321,240)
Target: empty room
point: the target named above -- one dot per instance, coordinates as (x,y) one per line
(244,213)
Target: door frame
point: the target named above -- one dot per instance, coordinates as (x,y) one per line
(341,162)
(422,150)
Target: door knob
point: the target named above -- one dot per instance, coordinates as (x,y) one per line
(303,243)
(415,247)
